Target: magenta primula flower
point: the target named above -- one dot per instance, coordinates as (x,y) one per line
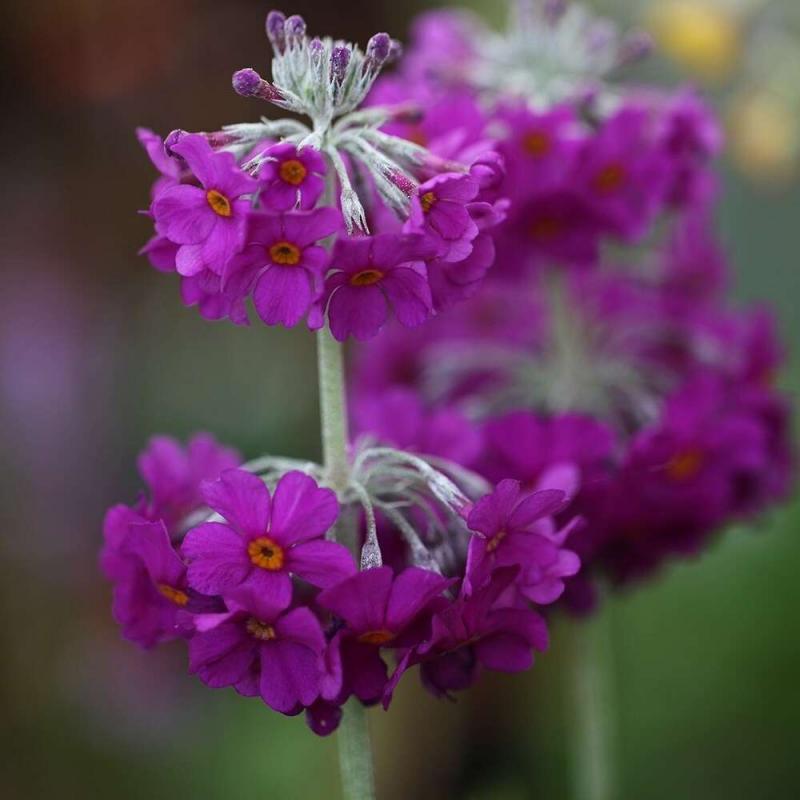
(379,609)
(515,529)
(291,178)
(169,167)
(266,539)
(149,579)
(370,273)
(261,650)
(283,263)
(204,290)
(442,208)
(209,220)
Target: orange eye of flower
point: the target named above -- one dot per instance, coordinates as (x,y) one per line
(260,630)
(546,228)
(427,201)
(265,553)
(537,143)
(367,277)
(293,172)
(285,253)
(219,203)
(376,637)
(494,542)
(172,594)
(610,179)
(685,465)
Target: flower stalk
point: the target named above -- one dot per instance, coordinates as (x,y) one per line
(355,750)
(592,713)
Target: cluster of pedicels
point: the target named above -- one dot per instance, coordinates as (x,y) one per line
(282,587)
(603,337)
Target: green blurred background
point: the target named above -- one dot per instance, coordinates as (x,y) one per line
(96,354)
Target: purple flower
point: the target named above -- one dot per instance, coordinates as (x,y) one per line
(150,588)
(208,220)
(622,175)
(265,539)
(379,609)
(517,530)
(161,253)
(369,274)
(292,178)
(441,207)
(170,168)
(473,632)
(204,290)
(398,417)
(261,651)
(284,261)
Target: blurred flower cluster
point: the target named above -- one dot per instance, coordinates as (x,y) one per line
(748,53)
(561,393)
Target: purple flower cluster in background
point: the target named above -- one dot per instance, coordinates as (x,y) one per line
(603,338)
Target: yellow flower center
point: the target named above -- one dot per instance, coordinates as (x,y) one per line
(260,630)
(427,201)
(537,143)
(376,637)
(285,253)
(366,277)
(293,172)
(265,553)
(685,465)
(609,179)
(219,203)
(172,594)
(494,542)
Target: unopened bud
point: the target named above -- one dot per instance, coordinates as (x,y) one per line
(276,31)
(248,83)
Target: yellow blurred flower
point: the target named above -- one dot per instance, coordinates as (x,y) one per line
(764,135)
(698,34)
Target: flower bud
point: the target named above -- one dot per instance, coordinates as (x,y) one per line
(276,30)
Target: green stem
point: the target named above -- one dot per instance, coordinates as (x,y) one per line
(593,707)
(355,754)
(355,750)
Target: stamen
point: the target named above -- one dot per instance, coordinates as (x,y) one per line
(177,596)
(367,277)
(260,630)
(265,553)
(427,201)
(546,228)
(293,172)
(376,637)
(685,465)
(285,253)
(610,179)
(537,143)
(494,542)
(219,203)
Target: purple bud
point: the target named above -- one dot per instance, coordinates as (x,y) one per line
(340,58)
(635,47)
(315,46)
(601,34)
(173,139)
(378,48)
(402,182)
(248,83)
(295,30)
(276,30)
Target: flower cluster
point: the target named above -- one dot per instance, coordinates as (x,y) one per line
(243,212)
(243,568)
(603,339)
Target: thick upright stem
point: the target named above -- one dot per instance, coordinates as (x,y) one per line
(333,410)
(355,754)
(593,729)
(355,751)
